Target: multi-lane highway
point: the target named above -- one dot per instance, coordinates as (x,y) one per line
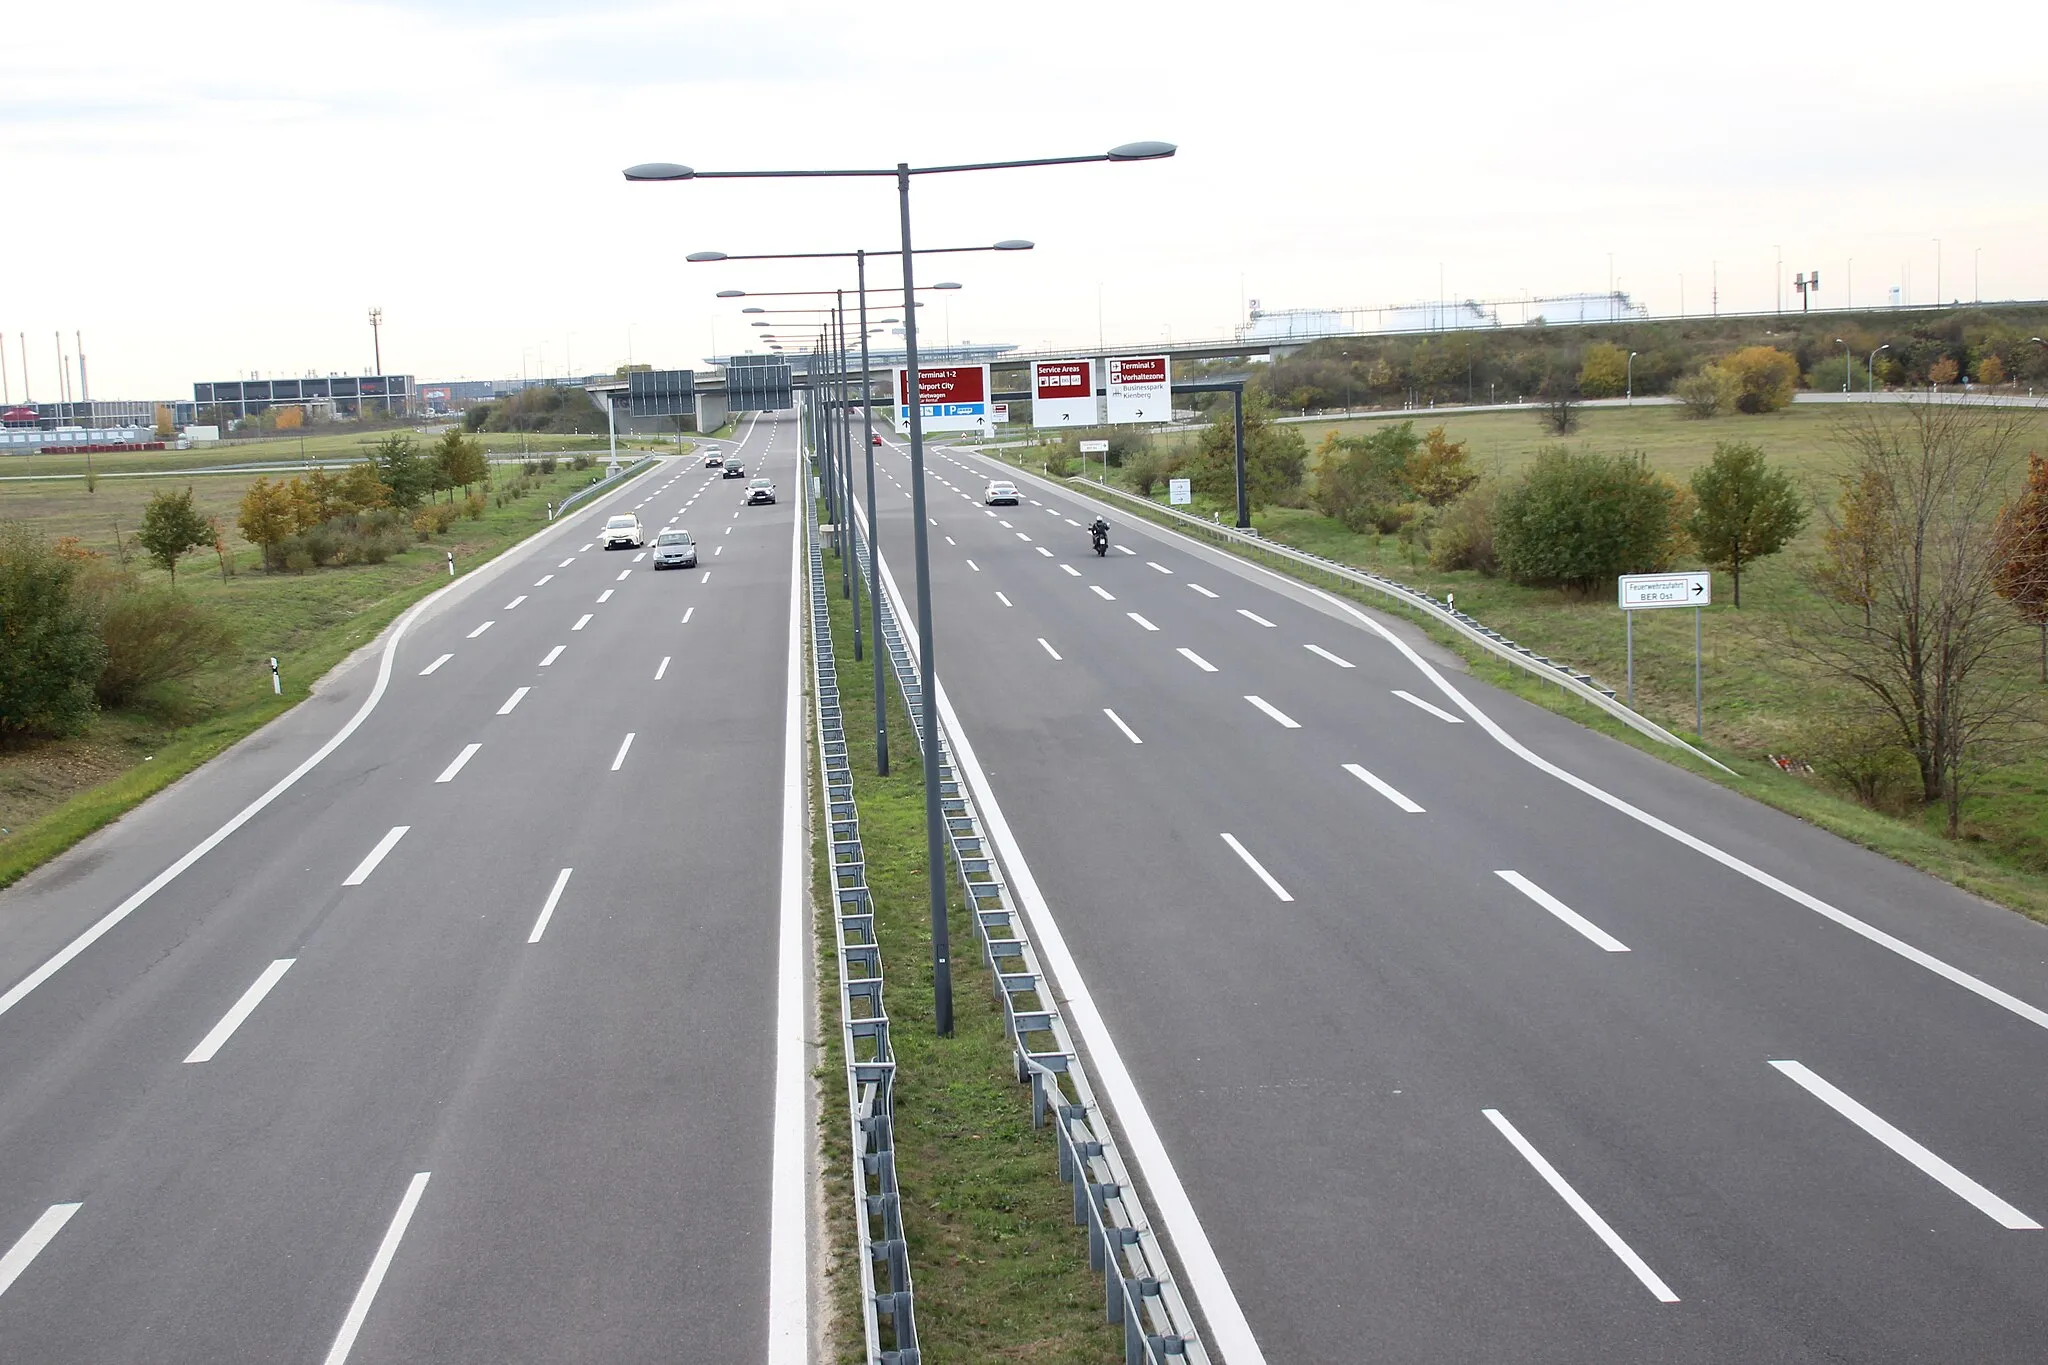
(1466,1033)
(455,1039)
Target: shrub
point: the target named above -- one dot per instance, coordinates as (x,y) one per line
(579,462)
(1604,374)
(1764,376)
(547,465)
(1579,518)
(1861,756)
(1707,392)
(1362,481)
(50,649)
(473,506)
(296,559)
(1464,531)
(154,634)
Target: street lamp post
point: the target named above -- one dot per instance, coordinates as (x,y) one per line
(1632,377)
(1848,364)
(1870,370)
(942,971)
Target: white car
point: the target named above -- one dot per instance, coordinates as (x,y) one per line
(624,529)
(1001,492)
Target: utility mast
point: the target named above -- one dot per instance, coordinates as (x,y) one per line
(376,337)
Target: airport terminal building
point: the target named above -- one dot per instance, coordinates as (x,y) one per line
(342,395)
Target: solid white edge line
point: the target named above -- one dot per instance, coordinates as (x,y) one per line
(239,1011)
(436,664)
(375,856)
(1622,1251)
(1564,912)
(1932,1166)
(1048,648)
(518,695)
(1433,709)
(1197,660)
(1919,957)
(789,1327)
(30,1244)
(1229,1330)
(662,667)
(547,911)
(1272,884)
(359,1310)
(1275,712)
(468,752)
(1320,652)
(1118,721)
(1383,789)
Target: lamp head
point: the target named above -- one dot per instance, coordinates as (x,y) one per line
(1014,244)
(947,284)
(1129,151)
(698,257)
(753,310)
(732,293)
(659,170)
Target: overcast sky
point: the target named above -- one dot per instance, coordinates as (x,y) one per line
(219,187)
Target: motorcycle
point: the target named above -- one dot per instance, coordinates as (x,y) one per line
(1101,541)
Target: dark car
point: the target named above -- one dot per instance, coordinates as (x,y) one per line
(734,470)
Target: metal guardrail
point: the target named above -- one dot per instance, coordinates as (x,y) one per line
(1564,675)
(602,484)
(1138,1287)
(863,1021)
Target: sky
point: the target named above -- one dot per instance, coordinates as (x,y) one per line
(222,188)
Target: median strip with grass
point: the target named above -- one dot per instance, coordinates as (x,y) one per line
(1001,1270)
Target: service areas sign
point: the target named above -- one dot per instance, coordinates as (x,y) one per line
(1063,393)
(952,398)
(1649,591)
(1140,389)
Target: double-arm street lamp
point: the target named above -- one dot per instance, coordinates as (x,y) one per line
(928,707)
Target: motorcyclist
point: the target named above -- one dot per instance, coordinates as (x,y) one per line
(1099,527)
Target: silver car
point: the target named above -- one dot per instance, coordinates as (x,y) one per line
(675,550)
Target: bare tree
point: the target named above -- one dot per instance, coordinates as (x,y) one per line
(1908,577)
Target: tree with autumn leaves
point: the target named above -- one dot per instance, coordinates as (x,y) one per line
(2022,573)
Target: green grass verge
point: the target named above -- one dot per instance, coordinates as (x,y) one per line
(310,621)
(1000,1270)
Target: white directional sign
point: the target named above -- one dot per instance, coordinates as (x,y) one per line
(998,413)
(1095,447)
(1180,492)
(1648,591)
(1140,389)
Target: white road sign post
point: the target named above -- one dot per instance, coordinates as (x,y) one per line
(1655,592)
(1180,492)
(1095,448)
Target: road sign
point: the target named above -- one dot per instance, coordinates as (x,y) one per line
(952,398)
(1095,447)
(999,413)
(1649,591)
(1180,492)
(1140,389)
(1063,393)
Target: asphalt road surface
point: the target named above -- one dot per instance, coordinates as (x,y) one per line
(462,1048)
(1470,1034)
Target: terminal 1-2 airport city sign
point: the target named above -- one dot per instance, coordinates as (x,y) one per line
(950,398)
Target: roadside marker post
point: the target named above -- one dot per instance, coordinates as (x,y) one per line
(451,563)
(1656,592)
(276,683)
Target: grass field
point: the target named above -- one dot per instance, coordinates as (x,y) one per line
(54,792)
(1759,700)
(1000,1270)
(347,443)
